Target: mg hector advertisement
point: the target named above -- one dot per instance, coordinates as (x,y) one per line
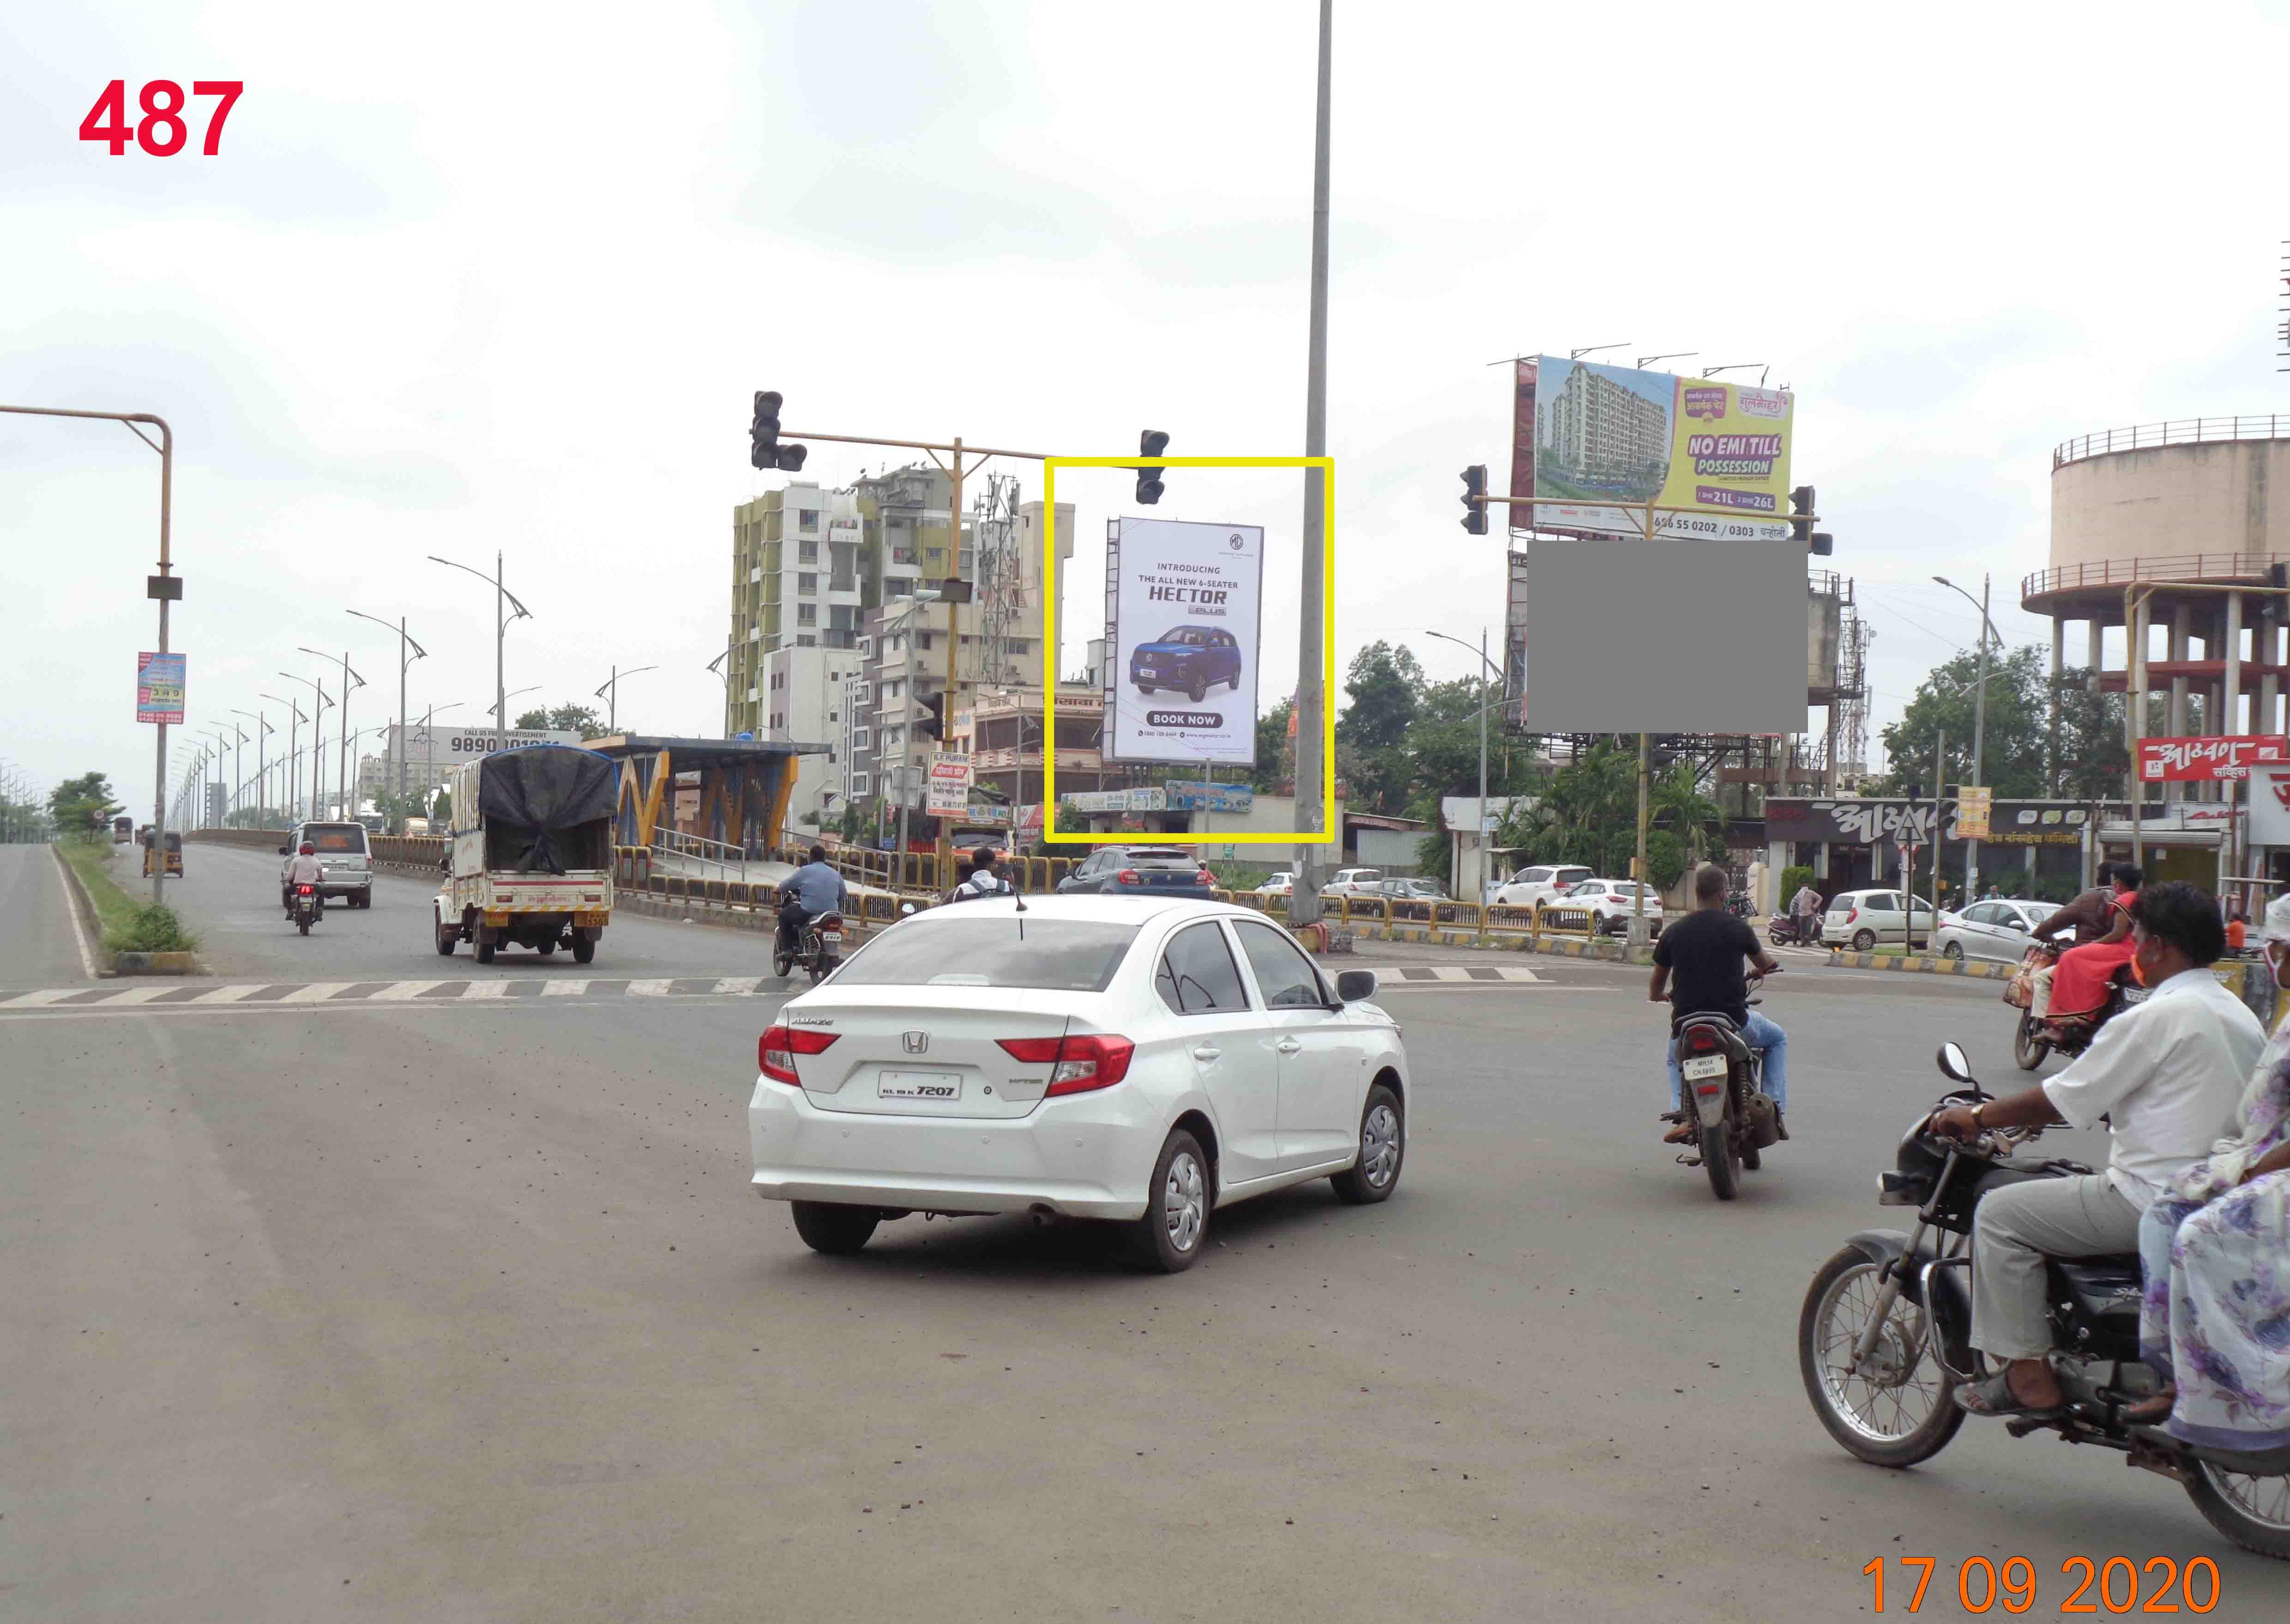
(1181,613)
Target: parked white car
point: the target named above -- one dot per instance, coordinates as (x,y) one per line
(1102,1057)
(1352,883)
(1863,919)
(1997,928)
(1612,904)
(1539,884)
(1280,884)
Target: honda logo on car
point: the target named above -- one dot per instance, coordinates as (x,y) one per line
(916,1042)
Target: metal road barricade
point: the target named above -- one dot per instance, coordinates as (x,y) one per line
(1502,917)
(1564,921)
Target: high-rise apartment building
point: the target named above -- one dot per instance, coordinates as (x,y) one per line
(798,581)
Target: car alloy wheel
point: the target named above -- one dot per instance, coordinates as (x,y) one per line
(1380,1146)
(1864,941)
(1954,950)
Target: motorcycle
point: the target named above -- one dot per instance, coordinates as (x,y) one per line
(306,907)
(2033,1040)
(1884,1334)
(1738,904)
(819,949)
(1782,930)
(1723,1098)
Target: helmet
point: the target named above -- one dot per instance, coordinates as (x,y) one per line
(308,849)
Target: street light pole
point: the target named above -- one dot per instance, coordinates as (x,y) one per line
(292,798)
(342,785)
(613,686)
(502,596)
(162,587)
(404,663)
(1485,703)
(1979,732)
(262,728)
(317,743)
(1312,700)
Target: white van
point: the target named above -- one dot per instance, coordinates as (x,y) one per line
(1862,919)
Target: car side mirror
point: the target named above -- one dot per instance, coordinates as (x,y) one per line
(1953,1065)
(1355,986)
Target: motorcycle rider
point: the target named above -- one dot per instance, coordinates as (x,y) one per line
(2167,1074)
(811,891)
(1706,950)
(306,869)
(1803,908)
(2103,945)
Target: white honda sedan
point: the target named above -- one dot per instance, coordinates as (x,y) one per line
(1086,1056)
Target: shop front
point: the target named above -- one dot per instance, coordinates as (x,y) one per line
(2032,848)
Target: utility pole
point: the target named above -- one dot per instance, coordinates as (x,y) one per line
(502,598)
(164,588)
(1643,879)
(404,663)
(1311,699)
(611,693)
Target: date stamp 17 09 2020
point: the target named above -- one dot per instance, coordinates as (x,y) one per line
(2116,1585)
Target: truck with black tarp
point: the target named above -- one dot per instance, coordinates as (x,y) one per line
(529,857)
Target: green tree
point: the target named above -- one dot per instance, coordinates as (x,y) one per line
(581,719)
(78,804)
(2017,725)
(1275,763)
(2089,760)
(441,811)
(1382,688)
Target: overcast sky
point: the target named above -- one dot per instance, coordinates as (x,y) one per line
(469,277)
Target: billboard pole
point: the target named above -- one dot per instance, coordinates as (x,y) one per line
(1311,700)
(1643,878)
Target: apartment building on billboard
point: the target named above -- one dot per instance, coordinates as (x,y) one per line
(1602,433)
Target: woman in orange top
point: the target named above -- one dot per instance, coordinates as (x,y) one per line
(2079,983)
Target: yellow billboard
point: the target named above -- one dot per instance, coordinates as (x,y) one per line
(1615,446)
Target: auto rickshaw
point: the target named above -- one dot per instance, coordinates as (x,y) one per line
(174,853)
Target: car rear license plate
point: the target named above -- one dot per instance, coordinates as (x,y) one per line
(2134,995)
(1146,671)
(1704,1066)
(917,1085)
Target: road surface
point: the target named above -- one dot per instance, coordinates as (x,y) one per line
(452,1306)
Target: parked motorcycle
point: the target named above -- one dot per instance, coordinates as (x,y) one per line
(1738,904)
(2032,1041)
(1885,1336)
(306,907)
(1782,930)
(1721,1097)
(819,949)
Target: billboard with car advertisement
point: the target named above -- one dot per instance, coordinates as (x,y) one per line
(1608,440)
(1182,621)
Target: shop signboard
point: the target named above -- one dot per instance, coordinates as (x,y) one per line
(1209,797)
(2269,805)
(949,795)
(2169,761)
(1868,820)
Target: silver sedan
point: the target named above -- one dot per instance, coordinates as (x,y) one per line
(1996,929)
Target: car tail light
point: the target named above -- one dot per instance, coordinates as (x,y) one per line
(1851,914)
(1079,1064)
(1127,876)
(776,1049)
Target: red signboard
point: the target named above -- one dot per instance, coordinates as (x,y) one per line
(2174,760)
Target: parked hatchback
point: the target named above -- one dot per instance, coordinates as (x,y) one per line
(1863,919)
(1191,659)
(1997,928)
(343,852)
(1139,871)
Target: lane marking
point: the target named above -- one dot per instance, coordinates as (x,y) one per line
(71,907)
(229,995)
(1423,975)
(46,995)
(651,989)
(400,992)
(486,990)
(738,984)
(316,992)
(563,989)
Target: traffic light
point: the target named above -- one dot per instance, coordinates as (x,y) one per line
(763,448)
(1152,443)
(1801,518)
(1823,543)
(931,724)
(1475,499)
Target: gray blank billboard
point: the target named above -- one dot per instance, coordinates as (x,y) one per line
(1671,636)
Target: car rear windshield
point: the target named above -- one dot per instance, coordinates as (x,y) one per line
(335,836)
(1160,857)
(1007,949)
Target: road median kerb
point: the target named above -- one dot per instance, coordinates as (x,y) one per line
(119,963)
(1923,964)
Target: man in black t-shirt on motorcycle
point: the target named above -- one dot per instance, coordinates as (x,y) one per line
(1705,952)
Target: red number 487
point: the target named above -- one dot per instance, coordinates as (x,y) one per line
(161,132)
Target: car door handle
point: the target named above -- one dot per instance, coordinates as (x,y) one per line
(1207,1051)
(1289,1045)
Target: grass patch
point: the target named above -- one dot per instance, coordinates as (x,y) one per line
(126,924)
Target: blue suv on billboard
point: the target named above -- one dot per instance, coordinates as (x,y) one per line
(1190,658)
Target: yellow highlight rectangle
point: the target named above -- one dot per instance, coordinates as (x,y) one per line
(1329,834)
